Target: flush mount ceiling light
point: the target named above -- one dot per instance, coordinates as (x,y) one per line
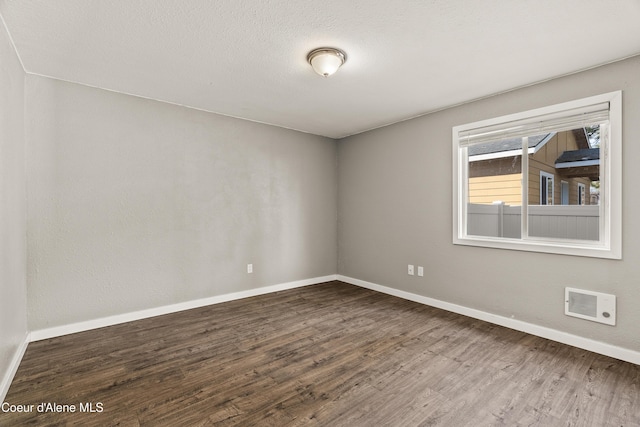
(326,60)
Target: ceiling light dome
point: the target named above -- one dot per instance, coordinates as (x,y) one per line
(326,60)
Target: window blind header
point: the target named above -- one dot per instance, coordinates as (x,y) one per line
(555,122)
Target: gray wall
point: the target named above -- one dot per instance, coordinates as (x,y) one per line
(13,248)
(395,208)
(135,204)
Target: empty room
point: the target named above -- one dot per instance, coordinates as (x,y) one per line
(367,213)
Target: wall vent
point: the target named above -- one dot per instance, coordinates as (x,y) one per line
(590,305)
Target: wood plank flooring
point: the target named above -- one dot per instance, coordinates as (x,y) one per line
(324,355)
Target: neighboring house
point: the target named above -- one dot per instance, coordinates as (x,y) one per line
(562,166)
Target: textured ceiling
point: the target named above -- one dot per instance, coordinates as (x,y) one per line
(247,58)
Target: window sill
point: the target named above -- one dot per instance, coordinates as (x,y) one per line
(593,250)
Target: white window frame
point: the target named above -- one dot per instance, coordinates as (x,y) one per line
(545,177)
(609,244)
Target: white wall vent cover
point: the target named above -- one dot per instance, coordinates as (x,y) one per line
(590,305)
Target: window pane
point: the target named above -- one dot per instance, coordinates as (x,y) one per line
(495,189)
(571,157)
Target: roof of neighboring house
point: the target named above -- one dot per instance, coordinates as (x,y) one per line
(535,142)
(511,144)
(579,155)
(584,163)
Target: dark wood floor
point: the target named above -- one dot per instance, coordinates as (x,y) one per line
(326,355)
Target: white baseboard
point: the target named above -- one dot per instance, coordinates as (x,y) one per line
(57,331)
(13,367)
(530,328)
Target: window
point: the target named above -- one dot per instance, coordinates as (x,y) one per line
(506,169)
(581,193)
(546,188)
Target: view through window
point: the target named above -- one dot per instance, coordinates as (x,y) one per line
(541,179)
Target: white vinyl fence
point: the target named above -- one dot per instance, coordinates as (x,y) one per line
(559,221)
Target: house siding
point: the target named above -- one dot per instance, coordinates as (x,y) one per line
(496,180)
(544,160)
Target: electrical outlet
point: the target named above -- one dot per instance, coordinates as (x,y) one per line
(410,270)
(420,271)
(249,268)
